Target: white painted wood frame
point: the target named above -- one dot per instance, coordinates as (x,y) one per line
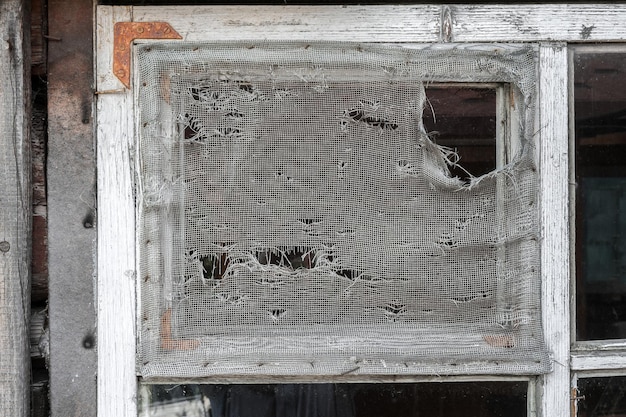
(117,383)
(554,168)
(550,25)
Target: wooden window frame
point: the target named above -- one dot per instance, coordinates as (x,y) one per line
(552,27)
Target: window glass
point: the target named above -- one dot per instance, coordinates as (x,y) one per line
(602,397)
(484,399)
(600,135)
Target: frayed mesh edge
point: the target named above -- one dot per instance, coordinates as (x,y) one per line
(289,195)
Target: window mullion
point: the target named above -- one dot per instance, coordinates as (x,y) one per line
(553,148)
(117,382)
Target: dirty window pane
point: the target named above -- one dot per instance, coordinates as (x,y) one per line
(600,107)
(464,120)
(602,397)
(479,399)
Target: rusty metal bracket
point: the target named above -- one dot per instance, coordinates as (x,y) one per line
(125,33)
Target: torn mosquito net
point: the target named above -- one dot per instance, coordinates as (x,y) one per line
(296,219)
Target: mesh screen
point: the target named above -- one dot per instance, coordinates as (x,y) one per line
(296,219)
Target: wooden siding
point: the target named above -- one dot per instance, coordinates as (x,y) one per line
(15,211)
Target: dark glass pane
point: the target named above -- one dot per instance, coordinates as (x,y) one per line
(464,120)
(600,107)
(475,399)
(602,397)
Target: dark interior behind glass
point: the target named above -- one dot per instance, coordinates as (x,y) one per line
(600,135)
(437,399)
(464,120)
(602,397)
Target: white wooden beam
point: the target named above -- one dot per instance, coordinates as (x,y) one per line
(15,210)
(117,382)
(300,23)
(596,360)
(393,23)
(553,145)
(538,22)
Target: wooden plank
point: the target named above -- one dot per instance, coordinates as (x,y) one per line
(586,361)
(553,144)
(117,383)
(599,355)
(15,210)
(71,208)
(385,23)
(600,345)
(299,23)
(538,22)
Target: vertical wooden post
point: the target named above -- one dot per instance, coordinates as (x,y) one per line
(15,209)
(117,379)
(555,250)
(72,217)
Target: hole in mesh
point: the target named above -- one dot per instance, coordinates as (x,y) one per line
(394,311)
(195,93)
(470,297)
(381,123)
(407,167)
(361,116)
(248,88)
(214,266)
(234,115)
(447,240)
(462,120)
(278,313)
(192,128)
(395,308)
(309,222)
(349,273)
(354,114)
(205,93)
(248,92)
(281,176)
(235,298)
(293,258)
(209,99)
